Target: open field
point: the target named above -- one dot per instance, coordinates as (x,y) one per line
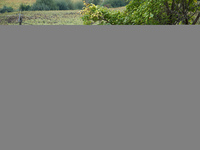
(65,17)
(71,17)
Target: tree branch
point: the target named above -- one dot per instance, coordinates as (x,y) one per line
(173,4)
(197,18)
(167,6)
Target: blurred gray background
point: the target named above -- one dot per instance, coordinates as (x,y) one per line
(112,91)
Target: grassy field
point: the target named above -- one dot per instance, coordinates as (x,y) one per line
(65,17)
(69,17)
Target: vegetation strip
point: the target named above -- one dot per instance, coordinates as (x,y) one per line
(136,12)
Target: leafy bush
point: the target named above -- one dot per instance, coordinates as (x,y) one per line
(92,14)
(96,2)
(24,7)
(107,5)
(114,3)
(56,5)
(145,12)
(62,5)
(70,4)
(44,5)
(6,9)
(50,3)
(78,5)
(36,6)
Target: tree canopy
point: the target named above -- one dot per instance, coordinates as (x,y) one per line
(145,12)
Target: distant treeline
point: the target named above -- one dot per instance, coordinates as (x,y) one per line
(41,5)
(52,5)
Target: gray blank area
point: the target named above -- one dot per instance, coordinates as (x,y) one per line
(107,97)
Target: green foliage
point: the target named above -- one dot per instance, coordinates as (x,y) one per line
(24,7)
(56,5)
(62,5)
(114,3)
(92,14)
(78,5)
(44,5)
(65,5)
(182,12)
(36,7)
(50,3)
(70,4)
(6,9)
(96,2)
(144,12)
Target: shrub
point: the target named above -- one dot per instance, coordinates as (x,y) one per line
(36,6)
(6,9)
(114,3)
(50,3)
(70,4)
(92,14)
(62,5)
(96,2)
(145,12)
(44,5)
(65,5)
(107,5)
(24,7)
(78,5)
